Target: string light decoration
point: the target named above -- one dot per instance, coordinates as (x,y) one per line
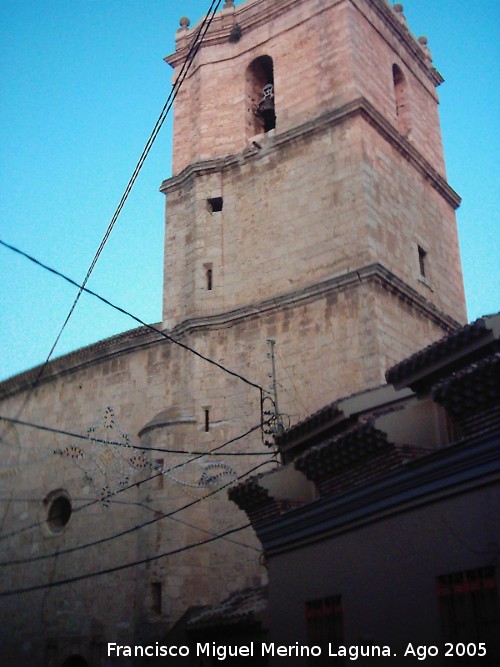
(208,475)
(107,460)
(109,464)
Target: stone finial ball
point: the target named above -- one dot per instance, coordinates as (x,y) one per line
(423,40)
(398,7)
(184,22)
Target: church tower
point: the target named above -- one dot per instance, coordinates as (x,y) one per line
(310,241)
(309,186)
(308,206)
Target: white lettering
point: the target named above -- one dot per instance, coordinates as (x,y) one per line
(203,649)
(291,650)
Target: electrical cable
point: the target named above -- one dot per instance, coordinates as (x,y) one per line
(185,523)
(195,45)
(101,441)
(159,123)
(134,317)
(138,483)
(81,289)
(125,566)
(127,531)
(299,398)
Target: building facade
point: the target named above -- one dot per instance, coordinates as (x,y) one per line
(381,532)
(309,205)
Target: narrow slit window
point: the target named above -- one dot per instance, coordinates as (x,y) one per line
(207,420)
(209,277)
(159,465)
(156,597)
(215,204)
(422,261)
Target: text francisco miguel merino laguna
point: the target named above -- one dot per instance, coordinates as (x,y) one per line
(222,651)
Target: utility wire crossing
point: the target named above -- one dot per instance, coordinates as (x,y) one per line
(137,483)
(195,45)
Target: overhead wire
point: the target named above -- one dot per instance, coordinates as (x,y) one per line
(195,45)
(82,288)
(135,563)
(186,523)
(138,482)
(298,396)
(124,566)
(103,441)
(132,529)
(132,316)
(193,49)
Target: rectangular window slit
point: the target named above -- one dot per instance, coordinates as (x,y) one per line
(422,255)
(207,420)
(159,464)
(156,597)
(209,277)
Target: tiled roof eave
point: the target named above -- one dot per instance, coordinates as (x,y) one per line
(342,451)
(443,352)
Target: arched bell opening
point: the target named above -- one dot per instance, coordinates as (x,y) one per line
(261,113)
(401,98)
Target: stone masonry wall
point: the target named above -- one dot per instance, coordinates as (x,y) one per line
(347,49)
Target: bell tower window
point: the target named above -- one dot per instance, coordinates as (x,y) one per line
(261,115)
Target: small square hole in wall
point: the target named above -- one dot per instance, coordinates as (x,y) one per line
(215,204)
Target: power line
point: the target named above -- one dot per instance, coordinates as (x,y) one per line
(103,441)
(139,482)
(195,45)
(127,531)
(186,523)
(134,317)
(125,566)
(159,123)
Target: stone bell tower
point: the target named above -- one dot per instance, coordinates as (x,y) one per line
(308,205)
(309,180)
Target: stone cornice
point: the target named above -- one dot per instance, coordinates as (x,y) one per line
(251,15)
(372,273)
(404,36)
(143,337)
(359,107)
(248,16)
(79,359)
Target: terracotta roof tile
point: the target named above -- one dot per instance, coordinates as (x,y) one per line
(241,608)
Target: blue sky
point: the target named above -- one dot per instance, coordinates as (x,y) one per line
(81,86)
